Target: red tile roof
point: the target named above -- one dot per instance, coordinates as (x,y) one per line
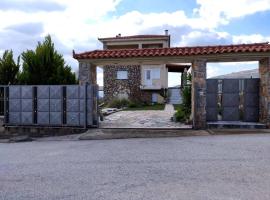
(134,37)
(175,51)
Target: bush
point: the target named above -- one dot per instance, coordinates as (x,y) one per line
(180,115)
(118,103)
(132,105)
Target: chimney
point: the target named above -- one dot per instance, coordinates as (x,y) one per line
(166,32)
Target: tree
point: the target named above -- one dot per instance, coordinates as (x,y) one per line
(45,66)
(8,68)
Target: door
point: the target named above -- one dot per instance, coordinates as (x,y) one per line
(148,77)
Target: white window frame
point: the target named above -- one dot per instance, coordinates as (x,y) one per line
(122,74)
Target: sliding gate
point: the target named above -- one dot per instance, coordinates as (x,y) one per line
(51,105)
(232,100)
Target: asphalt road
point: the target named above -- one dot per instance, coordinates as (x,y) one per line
(206,167)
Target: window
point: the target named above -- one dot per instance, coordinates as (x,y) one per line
(122,75)
(148,74)
(156,73)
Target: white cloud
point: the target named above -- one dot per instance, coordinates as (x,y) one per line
(221,11)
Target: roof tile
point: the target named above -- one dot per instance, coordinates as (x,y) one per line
(175,51)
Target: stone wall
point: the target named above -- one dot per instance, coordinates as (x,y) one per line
(127,88)
(264,70)
(199,94)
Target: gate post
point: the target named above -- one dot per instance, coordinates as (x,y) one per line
(199,94)
(264,70)
(87,73)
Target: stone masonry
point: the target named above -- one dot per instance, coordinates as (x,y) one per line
(87,73)
(199,94)
(264,70)
(124,88)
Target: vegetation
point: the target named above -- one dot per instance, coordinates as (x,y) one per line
(8,68)
(183,110)
(118,103)
(132,105)
(146,107)
(44,65)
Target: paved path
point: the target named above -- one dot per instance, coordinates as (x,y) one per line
(143,119)
(197,168)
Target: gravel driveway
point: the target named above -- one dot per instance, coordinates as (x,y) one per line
(209,167)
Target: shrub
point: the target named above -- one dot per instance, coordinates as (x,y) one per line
(132,105)
(118,103)
(180,115)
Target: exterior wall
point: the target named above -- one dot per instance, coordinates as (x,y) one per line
(199,94)
(264,70)
(140,43)
(127,88)
(157,83)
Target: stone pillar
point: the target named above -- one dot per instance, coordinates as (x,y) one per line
(87,73)
(264,70)
(199,94)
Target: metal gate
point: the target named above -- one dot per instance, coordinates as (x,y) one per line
(51,105)
(232,100)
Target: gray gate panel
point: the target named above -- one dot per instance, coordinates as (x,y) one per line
(15,117)
(230,100)
(90,119)
(212,85)
(56,118)
(14,105)
(27,118)
(55,92)
(73,118)
(43,105)
(252,85)
(211,100)
(82,91)
(43,92)
(211,114)
(49,105)
(27,92)
(14,92)
(27,105)
(230,86)
(251,114)
(251,99)
(230,114)
(73,105)
(55,105)
(43,118)
(82,118)
(82,105)
(72,92)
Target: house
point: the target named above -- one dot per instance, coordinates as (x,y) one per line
(146,82)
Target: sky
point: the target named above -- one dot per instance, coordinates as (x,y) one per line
(76,24)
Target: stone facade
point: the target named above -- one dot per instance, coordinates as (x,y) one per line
(124,88)
(264,70)
(199,94)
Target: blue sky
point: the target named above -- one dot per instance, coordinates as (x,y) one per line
(78,24)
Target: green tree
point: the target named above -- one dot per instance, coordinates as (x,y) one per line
(45,66)
(8,68)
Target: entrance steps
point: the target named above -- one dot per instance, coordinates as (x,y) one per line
(235,124)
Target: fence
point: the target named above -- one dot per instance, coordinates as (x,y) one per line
(51,105)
